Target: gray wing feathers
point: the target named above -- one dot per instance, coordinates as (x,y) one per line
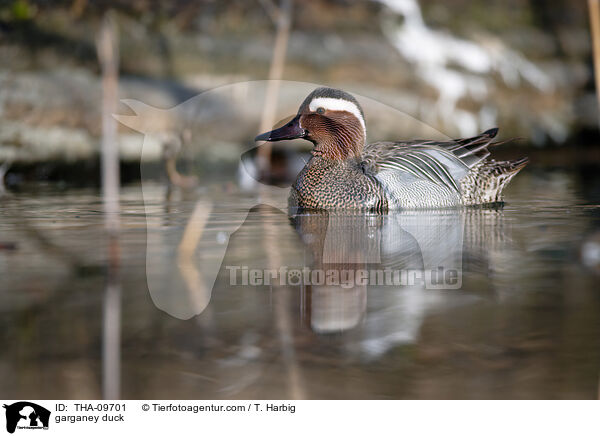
(442,163)
(423,165)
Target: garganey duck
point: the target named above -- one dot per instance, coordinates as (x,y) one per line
(346,173)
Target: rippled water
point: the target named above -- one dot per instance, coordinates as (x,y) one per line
(524,324)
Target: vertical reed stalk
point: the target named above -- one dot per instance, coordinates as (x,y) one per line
(594,11)
(283,18)
(108,55)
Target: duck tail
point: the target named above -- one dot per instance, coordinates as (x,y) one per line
(486,182)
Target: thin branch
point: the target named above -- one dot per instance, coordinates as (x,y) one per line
(284,18)
(594,10)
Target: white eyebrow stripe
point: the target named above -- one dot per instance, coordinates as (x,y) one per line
(337,104)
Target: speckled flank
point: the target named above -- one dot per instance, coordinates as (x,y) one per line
(405,191)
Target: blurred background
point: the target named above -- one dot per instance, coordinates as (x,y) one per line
(123,292)
(459,66)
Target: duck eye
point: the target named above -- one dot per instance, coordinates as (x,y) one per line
(320,110)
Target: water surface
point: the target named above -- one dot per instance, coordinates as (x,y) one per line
(524,324)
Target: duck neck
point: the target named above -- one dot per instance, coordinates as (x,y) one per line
(341,147)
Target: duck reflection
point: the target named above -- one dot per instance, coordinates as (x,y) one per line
(396,255)
(373,277)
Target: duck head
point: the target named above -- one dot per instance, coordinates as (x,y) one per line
(329,118)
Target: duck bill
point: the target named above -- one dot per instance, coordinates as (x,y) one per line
(291,130)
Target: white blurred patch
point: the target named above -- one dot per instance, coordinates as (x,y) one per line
(455,66)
